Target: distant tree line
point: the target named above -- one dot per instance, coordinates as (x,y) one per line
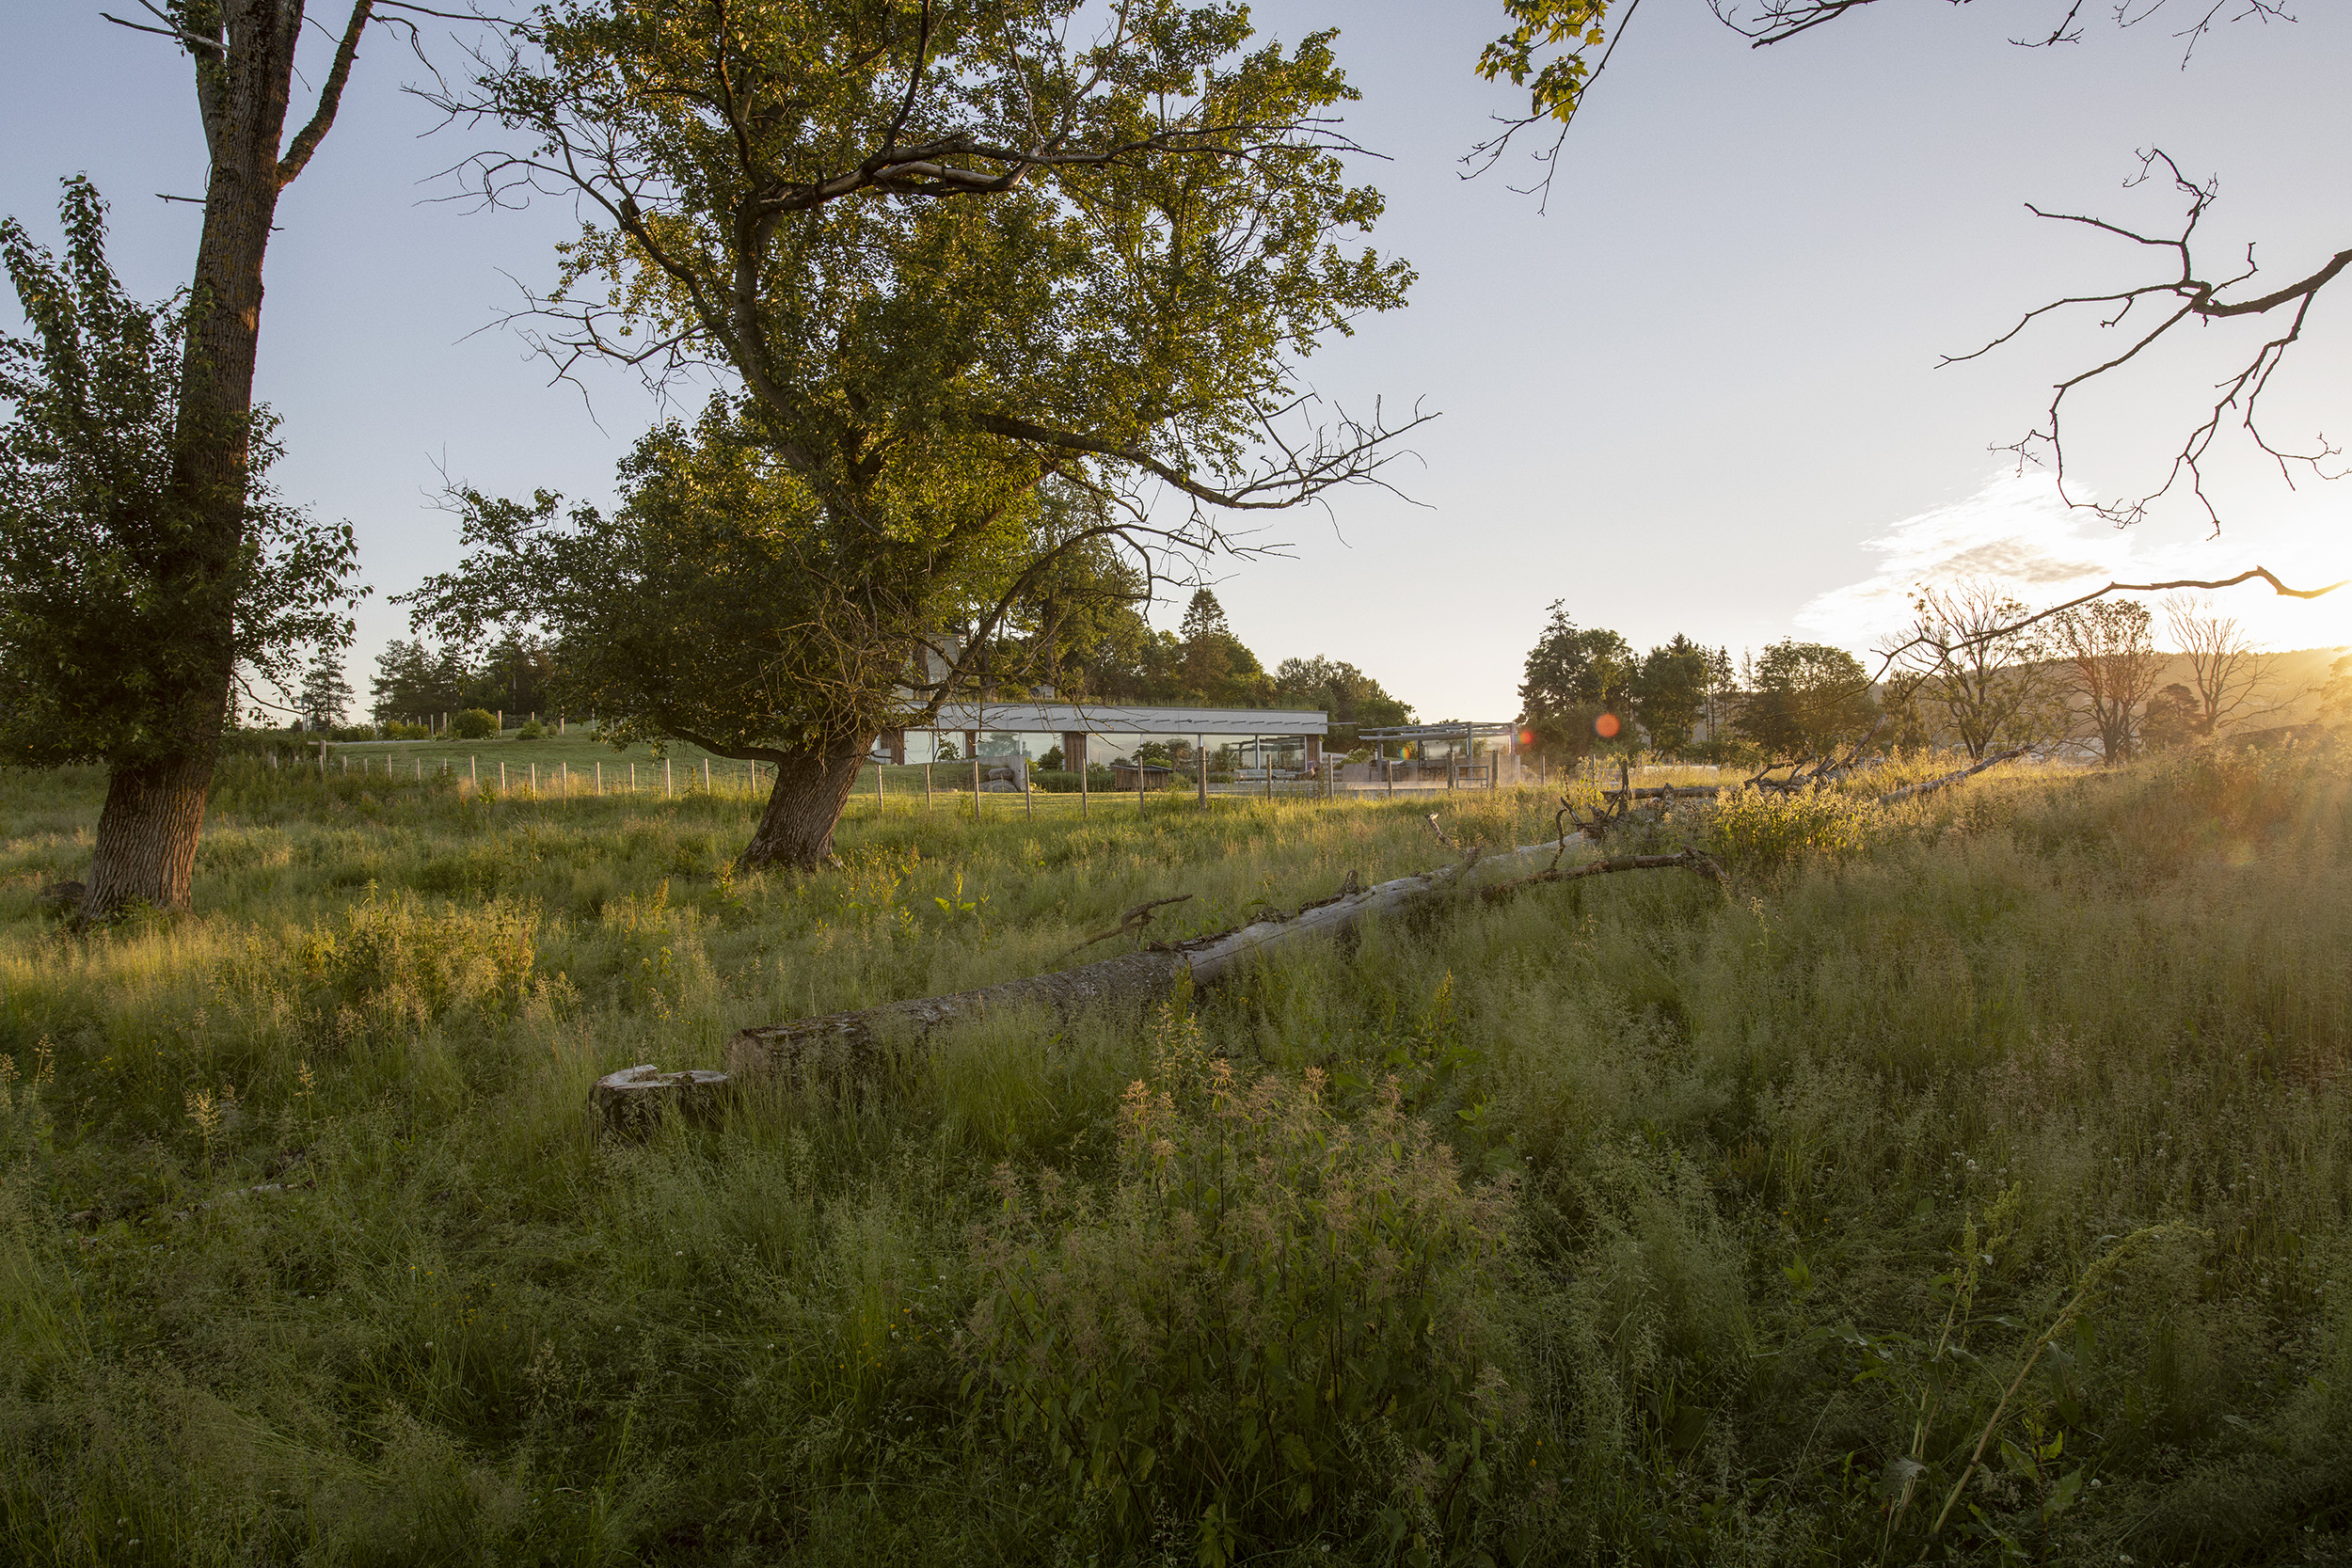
(416,681)
(1102,649)
(1122,658)
(1974,671)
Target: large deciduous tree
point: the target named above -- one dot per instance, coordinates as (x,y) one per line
(967,288)
(1670,693)
(140,587)
(1574,677)
(136,456)
(1805,700)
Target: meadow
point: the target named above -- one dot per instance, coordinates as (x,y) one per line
(1971,1181)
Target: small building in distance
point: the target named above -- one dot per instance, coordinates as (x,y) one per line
(1151,775)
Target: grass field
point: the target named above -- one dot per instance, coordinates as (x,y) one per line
(1973,1182)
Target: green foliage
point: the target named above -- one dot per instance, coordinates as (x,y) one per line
(1805,700)
(531,729)
(1669,693)
(108,576)
(1274,1323)
(1755,1145)
(1574,677)
(942,373)
(1757,829)
(1572,27)
(475,723)
(1353,698)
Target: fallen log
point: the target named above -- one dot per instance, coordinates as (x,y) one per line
(1683,859)
(1928,786)
(844,1040)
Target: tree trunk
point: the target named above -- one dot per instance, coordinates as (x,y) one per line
(812,786)
(147,835)
(146,832)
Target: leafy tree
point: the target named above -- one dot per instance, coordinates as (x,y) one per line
(1669,693)
(149,565)
(2172,718)
(2111,664)
(969,287)
(326,696)
(475,723)
(1214,667)
(1805,700)
(1573,677)
(149,574)
(1353,698)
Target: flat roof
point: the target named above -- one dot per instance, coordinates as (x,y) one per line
(1107,718)
(1436,732)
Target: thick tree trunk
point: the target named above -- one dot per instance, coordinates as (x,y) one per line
(147,833)
(812,786)
(154,812)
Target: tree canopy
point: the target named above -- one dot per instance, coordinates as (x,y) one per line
(1805,700)
(970,290)
(108,573)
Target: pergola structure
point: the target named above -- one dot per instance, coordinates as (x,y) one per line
(1466,731)
(1075,723)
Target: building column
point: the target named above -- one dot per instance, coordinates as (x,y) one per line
(1314,763)
(1200,767)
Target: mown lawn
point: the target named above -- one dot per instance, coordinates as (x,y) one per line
(1623,1220)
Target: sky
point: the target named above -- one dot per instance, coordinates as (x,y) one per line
(1694,389)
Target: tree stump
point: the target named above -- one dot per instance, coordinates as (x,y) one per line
(633,1102)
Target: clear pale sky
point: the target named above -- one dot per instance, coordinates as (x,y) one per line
(1697,393)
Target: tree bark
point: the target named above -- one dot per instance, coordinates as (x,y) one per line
(146,832)
(812,787)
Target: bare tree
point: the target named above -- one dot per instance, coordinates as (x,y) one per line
(2227,670)
(1973,656)
(2111,664)
(1557,50)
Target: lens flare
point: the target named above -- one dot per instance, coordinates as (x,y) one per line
(1606,726)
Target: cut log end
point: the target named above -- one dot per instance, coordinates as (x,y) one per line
(634,1100)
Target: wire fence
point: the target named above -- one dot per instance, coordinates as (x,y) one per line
(960,787)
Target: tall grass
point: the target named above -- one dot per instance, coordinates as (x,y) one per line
(1729,1220)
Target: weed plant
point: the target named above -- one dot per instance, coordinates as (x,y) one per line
(1972,1182)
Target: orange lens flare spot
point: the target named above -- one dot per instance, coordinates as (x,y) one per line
(1606,726)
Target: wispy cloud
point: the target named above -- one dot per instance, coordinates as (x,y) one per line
(2014,531)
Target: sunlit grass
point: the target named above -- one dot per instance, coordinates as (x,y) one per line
(1737,1137)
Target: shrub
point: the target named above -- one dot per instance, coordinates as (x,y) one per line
(475,723)
(393,729)
(1756,829)
(1275,1321)
(533,730)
